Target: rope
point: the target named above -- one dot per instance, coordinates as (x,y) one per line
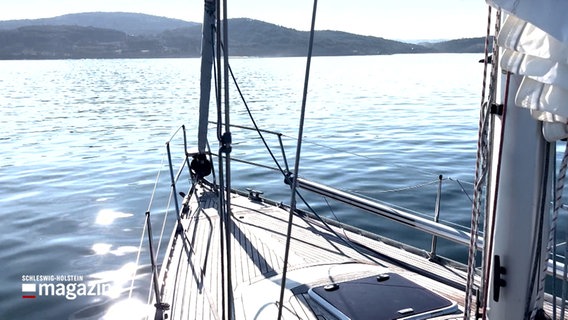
(489,230)
(553,233)
(557,207)
(564,277)
(539,268)
(551,247)
(480,169)
(297,160)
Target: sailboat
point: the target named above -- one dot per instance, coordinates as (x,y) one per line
(234,254)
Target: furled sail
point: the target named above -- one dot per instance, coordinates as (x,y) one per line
(547,15)
(535,43)
(207,44)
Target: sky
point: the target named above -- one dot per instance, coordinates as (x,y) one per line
(393,19)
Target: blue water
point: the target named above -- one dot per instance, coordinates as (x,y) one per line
(82,141)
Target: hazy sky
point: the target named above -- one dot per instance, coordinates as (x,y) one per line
(393,19)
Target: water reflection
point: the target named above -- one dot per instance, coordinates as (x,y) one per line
(120,279)
(128,309)
(105,248)
(101,248)
(119,299)
(133,309)
(106,216)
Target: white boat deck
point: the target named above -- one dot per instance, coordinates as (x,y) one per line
(191,285)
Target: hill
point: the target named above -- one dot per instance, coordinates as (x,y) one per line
(129,23)
(465,45)
(128,35)
(248,37)
(71,42)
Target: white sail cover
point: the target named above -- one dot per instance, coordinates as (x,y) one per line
(535,42)
(547,15)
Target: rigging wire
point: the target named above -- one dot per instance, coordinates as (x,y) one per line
(459,182)
(287,178)
(131,289)
(481,167)
(137,261)
(338,150)
(564,276)
(221,204)
(552,236)
(343,151)
(414,186)
(297,160)
(227,149)
(551,245)
(539,270)
(489,229)
(147,222)
(222,84)
(259,132)
(348,241)
(279,167)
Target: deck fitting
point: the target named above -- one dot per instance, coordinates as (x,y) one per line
(254,195)
(331,287)
(383,277)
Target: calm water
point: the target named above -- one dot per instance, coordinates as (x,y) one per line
(81,143)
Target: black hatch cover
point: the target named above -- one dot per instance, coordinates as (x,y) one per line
(385,296)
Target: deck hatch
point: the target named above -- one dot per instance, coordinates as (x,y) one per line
(377,298)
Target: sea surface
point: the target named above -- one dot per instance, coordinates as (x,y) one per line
(82,141)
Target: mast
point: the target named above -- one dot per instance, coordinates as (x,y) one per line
(533,97)
(521,198)
(207,48)
(200,165)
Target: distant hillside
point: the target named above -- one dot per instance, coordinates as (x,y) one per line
(73,42)
(343,43)
(467,45)
(127,35)
(252,36)
(130,23)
